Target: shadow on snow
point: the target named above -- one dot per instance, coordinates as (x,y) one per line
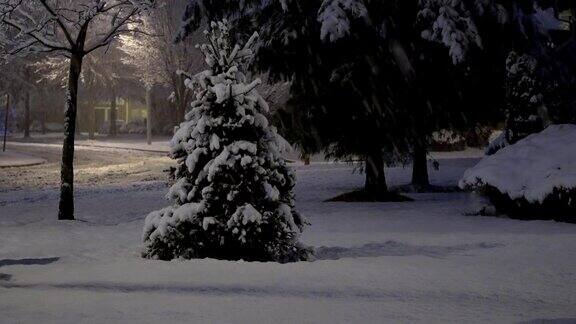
(392,248)
(11,262)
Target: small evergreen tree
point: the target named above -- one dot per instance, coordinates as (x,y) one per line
(523,97)
(232,198)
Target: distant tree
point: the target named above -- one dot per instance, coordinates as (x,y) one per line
(66,27)
(157,58)
(104,77)
(19,80)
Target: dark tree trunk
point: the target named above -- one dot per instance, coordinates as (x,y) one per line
(180,101)
(113,131)
(181,110)
(44,120)
(81,123)
(420,178)
(6,119)
(66,208)
(27,114)
(149,116)
(306,159)
(375,176)
(91,121)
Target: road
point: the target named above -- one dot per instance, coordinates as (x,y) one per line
(93,166)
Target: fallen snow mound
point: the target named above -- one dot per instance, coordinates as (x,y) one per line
(530,169)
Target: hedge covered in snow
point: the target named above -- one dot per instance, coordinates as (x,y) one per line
(446,140)
(532,179)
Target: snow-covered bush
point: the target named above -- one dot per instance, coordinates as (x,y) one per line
(232,197)
(447,140)
(534,178)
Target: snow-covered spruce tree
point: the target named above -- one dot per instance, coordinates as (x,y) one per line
(450,23)
(232,197)
(523,97)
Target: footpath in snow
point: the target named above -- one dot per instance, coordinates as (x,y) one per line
(422,261)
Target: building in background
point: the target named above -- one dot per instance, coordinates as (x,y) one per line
(130,115)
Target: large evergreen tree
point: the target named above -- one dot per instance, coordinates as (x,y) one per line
(232,197)
(380,96)
(523,97)
(342,101)
(525,59)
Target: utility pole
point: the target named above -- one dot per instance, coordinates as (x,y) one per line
(6,121)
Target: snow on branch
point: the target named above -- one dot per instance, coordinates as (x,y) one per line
(449,22)
(69,26)
(335,15)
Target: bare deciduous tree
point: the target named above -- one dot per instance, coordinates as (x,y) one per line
(157,58)
(66,27)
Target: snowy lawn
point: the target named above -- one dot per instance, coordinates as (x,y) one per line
(422,261)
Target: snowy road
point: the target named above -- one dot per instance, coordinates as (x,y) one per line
(422,261)
(94,166)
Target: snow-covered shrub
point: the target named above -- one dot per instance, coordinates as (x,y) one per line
(534,178)
(233,193)
(447,140)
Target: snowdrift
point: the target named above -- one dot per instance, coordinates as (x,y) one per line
(532,179)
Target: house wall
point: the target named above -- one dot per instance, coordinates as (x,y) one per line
(126,111)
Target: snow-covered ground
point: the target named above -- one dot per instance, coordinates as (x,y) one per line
(423,261)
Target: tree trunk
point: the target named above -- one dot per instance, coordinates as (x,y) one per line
(149,116)
(66,208)
(27,114)
(6,120)
(180,99)
(306,159)
(375,176)
(44,120)
(420,178)
(81,123)
(181,111)
(91,121)
(113,131)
